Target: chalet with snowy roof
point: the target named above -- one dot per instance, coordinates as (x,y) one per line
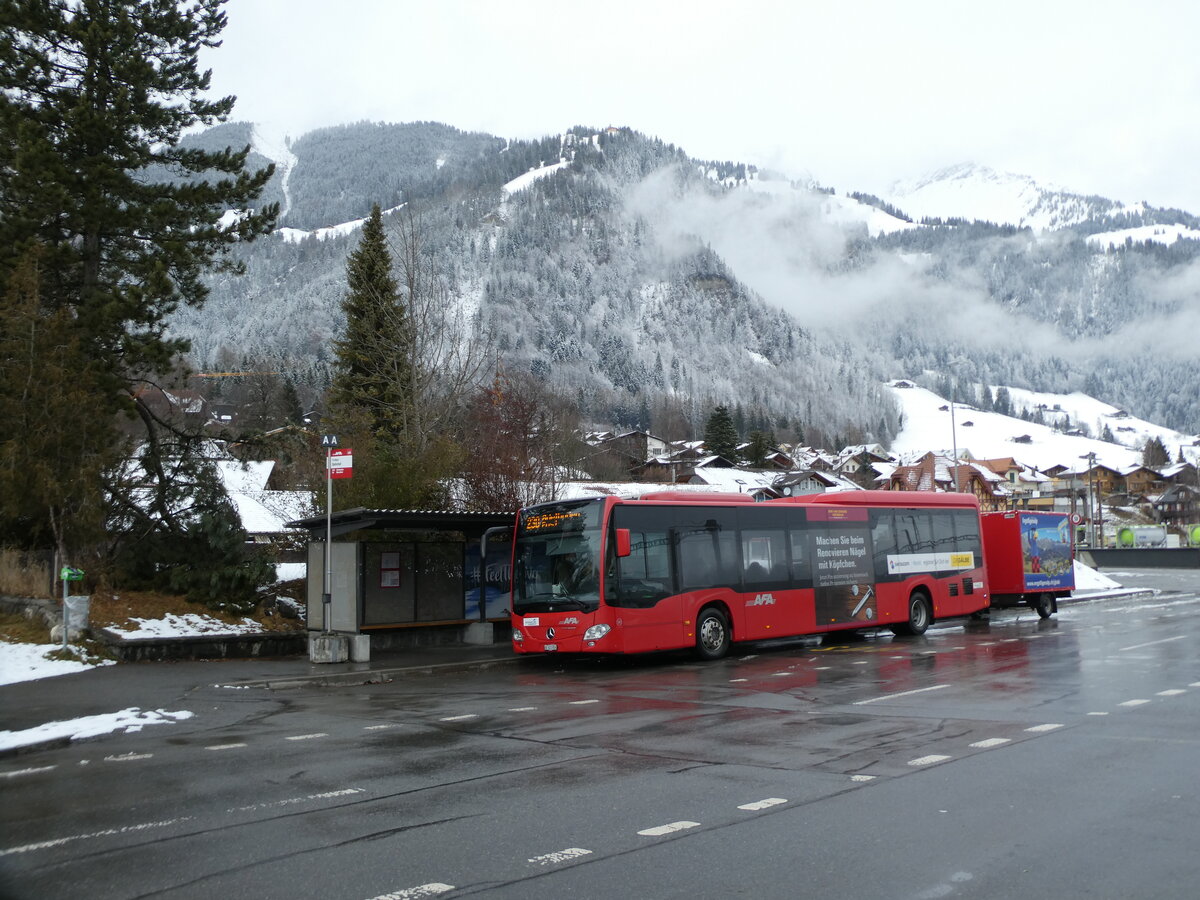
(1029,487)
(736,481)
(1178,505)
(809,481)
(1142,480)
(937,473)
(1181,473)
(858,463)
(173,404)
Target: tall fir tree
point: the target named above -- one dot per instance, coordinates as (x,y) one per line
(374,370)
(95,97)
(720,434)
(1155,454)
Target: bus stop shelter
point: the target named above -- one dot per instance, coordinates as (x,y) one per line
(409,577)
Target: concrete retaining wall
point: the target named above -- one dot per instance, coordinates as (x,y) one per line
(1142,558)
(239,646)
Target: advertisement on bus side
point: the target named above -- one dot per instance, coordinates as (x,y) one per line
(843,567)
(1046,551)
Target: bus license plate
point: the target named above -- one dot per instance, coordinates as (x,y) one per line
(550,648)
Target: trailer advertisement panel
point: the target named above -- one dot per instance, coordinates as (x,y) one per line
(1046,551)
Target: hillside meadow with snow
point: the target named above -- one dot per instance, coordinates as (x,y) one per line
(926,426)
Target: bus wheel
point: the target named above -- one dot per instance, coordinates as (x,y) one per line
(1044,604)
(712,634)
(919,616)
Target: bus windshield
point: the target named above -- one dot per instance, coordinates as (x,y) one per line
(558,557)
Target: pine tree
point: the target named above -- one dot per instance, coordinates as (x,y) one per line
(95,98)
(761,444)
(720,435)
(1154,454)
(375,353)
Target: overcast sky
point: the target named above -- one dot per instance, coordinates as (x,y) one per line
(1094,96)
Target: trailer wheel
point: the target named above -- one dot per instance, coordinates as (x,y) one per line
(1044,604)
(712,634)
(920,616)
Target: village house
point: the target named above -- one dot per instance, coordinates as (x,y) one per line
(937,473)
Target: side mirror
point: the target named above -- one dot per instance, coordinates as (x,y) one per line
(623,544)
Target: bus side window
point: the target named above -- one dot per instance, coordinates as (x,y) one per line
(798,544)
(696,568)
(883,540)
(966,534)
(943,530)
(764,558)
(644,577)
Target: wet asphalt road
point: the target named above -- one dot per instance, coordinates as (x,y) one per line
(1010,758)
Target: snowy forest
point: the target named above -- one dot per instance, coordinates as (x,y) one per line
(648,287)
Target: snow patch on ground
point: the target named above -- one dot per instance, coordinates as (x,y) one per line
(1088,579)
(125,720)
(1160,234)
(521,182)
(28,662)
(186,625)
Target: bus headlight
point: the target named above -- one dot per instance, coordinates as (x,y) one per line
(518,638)
(596,632)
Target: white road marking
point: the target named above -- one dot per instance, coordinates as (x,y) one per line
(860,662)
(1178,637)
(862,777)
(414,893)
(33,771)
(991,742)
(737,680)
(378,727)
(559,856)
(928,760)
(522,709)
(777,674)
(1174,692)
(128,757)
(274,804)
(1194,684)
(936,687)
(668,829)
(126,829)
(1049,726)
(224,746)
(583,702)
(459,718)
(1097,714)
(1133,703)
(762,804)
(820,668)
(307,737)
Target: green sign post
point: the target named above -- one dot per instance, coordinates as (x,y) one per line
(66,575)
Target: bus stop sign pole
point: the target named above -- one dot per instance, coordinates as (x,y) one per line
(328,441)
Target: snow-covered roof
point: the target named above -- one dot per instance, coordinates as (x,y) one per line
(245,476)
(737,481)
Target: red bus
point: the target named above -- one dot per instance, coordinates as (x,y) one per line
(673,570)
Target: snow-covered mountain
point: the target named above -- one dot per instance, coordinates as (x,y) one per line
(647,285)
(973,192)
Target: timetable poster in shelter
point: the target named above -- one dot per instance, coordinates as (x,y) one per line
(842,566)
(1046,551)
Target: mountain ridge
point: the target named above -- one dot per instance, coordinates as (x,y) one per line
(836,292)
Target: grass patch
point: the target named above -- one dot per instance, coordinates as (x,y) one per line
(16,628)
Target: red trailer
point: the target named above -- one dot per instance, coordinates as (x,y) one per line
(1029,558)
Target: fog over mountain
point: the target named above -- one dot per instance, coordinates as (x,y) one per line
(640,281)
